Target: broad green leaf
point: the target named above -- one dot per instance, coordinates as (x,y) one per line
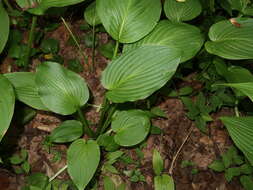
(239,5)
(182,10)
(246,182)
(131,127)
(82,159)
(61,90)
(232,39)
(7,103)
(68,131)
(246,169)
(5,27)
(157,162)
(138,73)
(217,166)
(128,20)
(245,88)
(164,182)
(175,35)
(241,131)
(91,16)
(230,173)
(39,7)
(236,74)
(25,89)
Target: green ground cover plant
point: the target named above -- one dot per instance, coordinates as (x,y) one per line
(153,42)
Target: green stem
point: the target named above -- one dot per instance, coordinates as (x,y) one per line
(6,2)
(74,38)
(30,41)
(86,127)
(58,173)
(116,49)
(105,107)
(108,119)
(93,47)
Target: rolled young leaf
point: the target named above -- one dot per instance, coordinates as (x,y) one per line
(164,182)
(179,11)
(82,159)
(183,36)
(131,127)
(241,131)
(91,16)
(68,131)
(7,103)
(5,27)
(231,39)
(128,20)
(140,72)
(61,90)
(25,89)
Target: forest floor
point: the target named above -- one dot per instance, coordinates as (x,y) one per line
(201,149)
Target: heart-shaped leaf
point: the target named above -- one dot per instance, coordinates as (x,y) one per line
(131,127)
(5,27)
(178,11)
(39,7)
(61,90)
(91,16)
(176,35)
(232,39)
(138,73)
(128,20)
(68,131)
(83,159)
(241,131)
(25,89)
(7,103)
(164,182)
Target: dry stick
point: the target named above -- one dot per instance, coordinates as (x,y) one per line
(74,38)
(58,173)
(178,152)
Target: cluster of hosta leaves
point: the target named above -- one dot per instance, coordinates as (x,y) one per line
(153,49)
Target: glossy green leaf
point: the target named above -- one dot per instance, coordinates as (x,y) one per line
(164,182)
(7,103)
(131,127)
(241,131)
(175,35)
(182,10)
(61,90)
(128,20)
(245,88)
(39,7)
(25,89)
(232,39)
(157,162)
(68,131)
(82,159)
(138,73)
(5,27)
(91,16)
